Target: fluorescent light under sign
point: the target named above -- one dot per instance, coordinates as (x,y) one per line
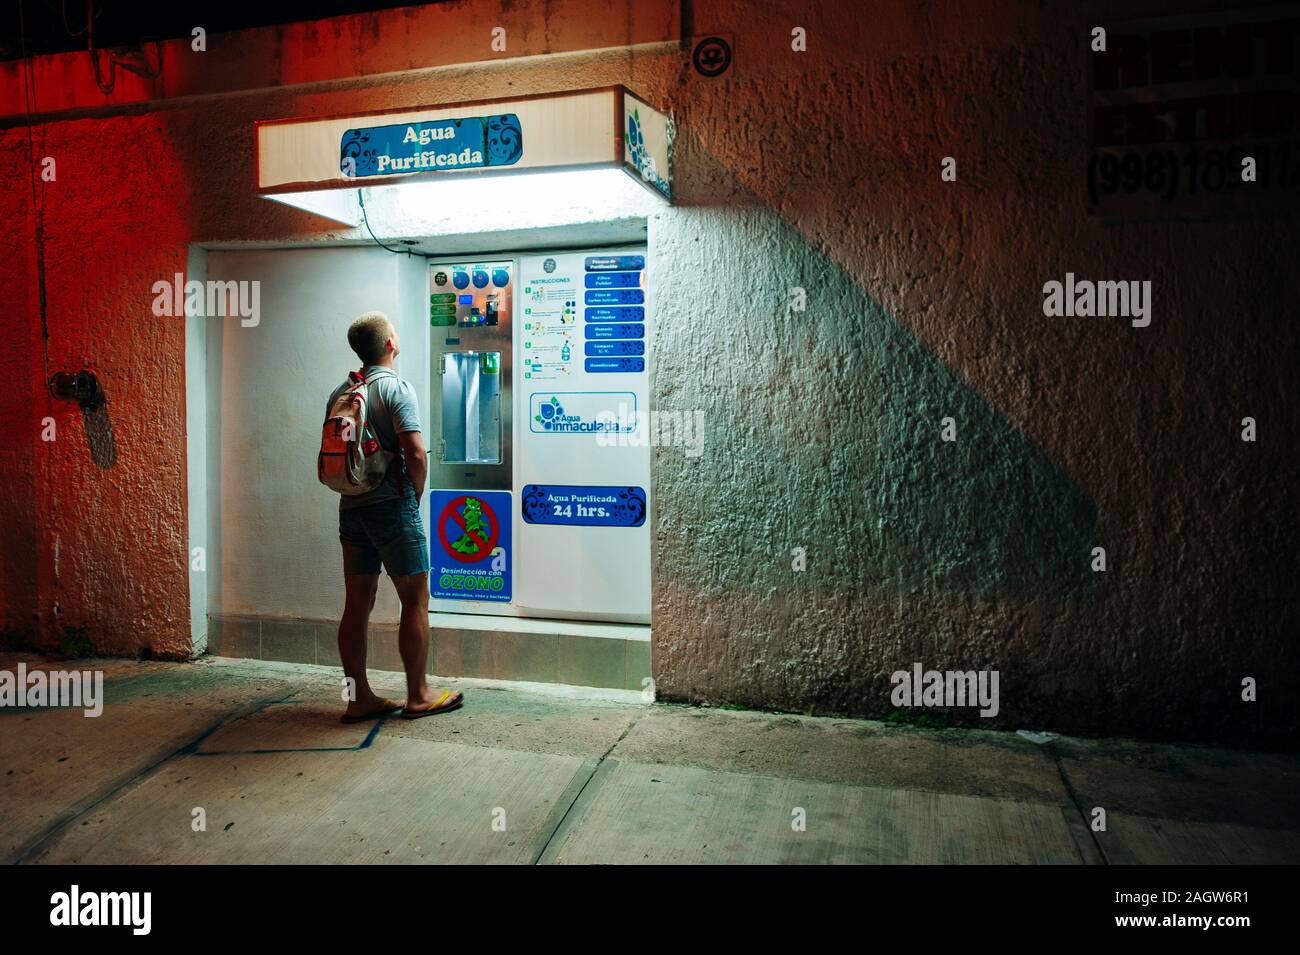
(484,202)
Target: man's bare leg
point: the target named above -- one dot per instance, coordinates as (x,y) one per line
(360,591)
(413,638)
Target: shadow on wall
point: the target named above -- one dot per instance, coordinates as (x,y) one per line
(84,388)
(99,436)
(826,430)
(943,494)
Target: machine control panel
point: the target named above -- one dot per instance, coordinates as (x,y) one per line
(470,311)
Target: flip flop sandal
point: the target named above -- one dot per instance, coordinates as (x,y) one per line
(447,702)
(387,706)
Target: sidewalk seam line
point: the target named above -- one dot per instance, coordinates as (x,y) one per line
(577,797)
(1074,798)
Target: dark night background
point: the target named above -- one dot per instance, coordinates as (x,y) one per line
(60,26)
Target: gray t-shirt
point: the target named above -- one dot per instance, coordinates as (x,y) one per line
(392,409)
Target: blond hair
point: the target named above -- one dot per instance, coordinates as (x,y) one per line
(369,335)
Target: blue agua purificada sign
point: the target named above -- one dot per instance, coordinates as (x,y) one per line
(442,145)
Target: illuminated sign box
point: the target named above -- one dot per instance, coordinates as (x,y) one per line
(318,163)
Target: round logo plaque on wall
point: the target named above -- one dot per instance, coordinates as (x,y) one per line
(711,56)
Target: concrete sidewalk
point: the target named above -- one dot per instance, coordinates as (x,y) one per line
(527,773)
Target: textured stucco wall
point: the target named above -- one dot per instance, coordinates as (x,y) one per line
(103,529)
(924,300)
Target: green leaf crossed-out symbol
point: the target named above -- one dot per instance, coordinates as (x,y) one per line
(473,522)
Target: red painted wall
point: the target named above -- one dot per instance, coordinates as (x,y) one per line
(94,544)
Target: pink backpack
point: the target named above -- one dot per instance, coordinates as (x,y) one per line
(351,460)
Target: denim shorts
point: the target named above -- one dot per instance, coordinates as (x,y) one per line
(390,533)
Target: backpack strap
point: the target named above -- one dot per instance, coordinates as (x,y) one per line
(362,380)
(358,378)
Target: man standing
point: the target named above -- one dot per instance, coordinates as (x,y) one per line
(384,527)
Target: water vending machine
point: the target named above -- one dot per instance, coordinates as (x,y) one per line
(539,463)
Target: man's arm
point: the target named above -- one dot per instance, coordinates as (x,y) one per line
(406,425)
(417,461)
